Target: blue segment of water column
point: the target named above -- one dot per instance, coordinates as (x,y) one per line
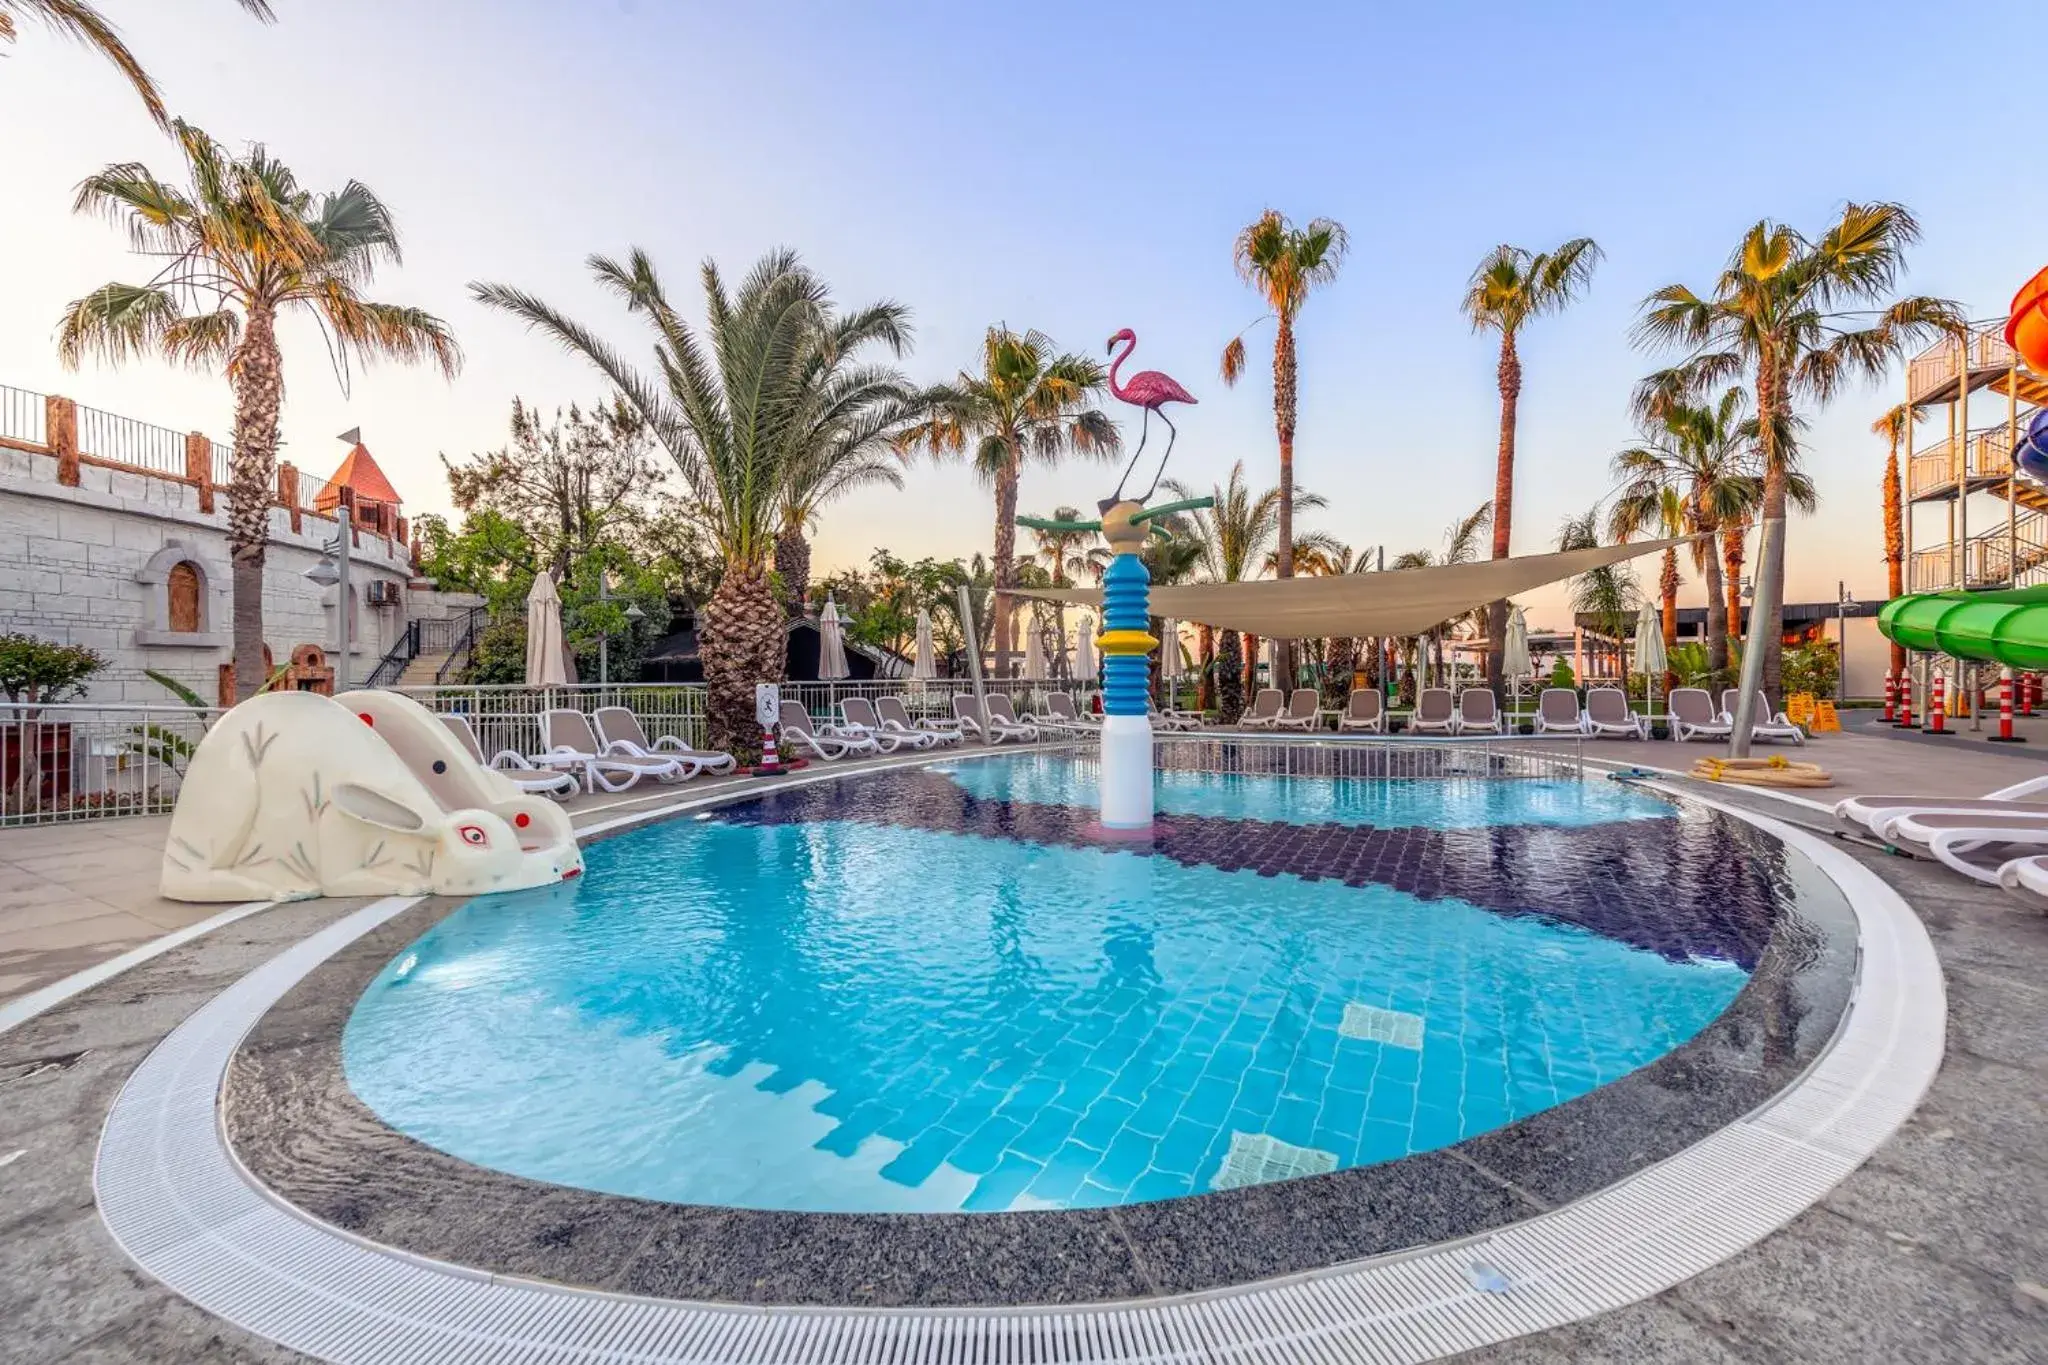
(1126,725)
(1124,669)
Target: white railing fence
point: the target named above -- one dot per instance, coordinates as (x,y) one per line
(83,762)
(72,762)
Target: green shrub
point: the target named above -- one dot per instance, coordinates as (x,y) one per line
(1561,675)
(1814,669)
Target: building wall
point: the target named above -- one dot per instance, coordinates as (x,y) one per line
(86,565)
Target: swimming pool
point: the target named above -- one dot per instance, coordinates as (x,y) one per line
(936,990)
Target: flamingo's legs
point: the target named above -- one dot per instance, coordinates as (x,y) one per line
(1171,432)
(1144,429)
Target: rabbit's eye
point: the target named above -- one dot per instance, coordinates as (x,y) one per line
(474,835)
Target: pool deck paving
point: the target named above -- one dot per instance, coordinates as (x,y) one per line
(1936,1249)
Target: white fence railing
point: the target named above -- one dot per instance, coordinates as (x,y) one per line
(83,762)
(79,761)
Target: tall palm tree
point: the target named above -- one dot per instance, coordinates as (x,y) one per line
(1511,286)
(852,441)
(242,244)
(1285,264)
(735,405)
(1027,402)
(1892,426)
(78,20)
(1801,317)
(1064,555)
(1236,535)
(1699,456)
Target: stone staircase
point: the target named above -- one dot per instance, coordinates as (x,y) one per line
(424,670)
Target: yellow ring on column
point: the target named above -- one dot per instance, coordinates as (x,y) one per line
(1125,642)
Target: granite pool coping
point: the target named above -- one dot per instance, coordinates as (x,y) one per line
(299,1130)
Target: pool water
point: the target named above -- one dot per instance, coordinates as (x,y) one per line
(941,995)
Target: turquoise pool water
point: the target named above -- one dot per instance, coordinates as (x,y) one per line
(865,1005)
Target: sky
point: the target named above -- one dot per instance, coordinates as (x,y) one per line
(1076,169)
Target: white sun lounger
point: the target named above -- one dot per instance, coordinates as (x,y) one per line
(1478,713)
(1693,715)
(622,733)
(1766,724)
(1949,837)
(896,720)
(2027,878)
(989,729)
(571,743)
(1868,812)
(822,741)
(530,778)
(1003,716)
(1062,714)
(1435,712)
(858,717)
(1175,720)
(1264,712)
(1365,712)
(1558,712)
(1608,716)
(1304,710)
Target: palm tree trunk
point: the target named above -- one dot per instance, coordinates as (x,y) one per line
(1770,573)
(1731,559)
(1717,609)
(1251,665)
(1667,584)
(1285,410)
(1894,541)
(1229,676)
(793,565)
(743,643)
(259,394)
(1205,688)
(1005,561)
(1338,657)
(1509,376)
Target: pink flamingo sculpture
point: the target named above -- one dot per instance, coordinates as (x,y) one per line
(1152,391)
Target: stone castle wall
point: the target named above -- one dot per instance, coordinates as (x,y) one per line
(86,564)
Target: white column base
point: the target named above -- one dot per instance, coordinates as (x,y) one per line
(1126,772)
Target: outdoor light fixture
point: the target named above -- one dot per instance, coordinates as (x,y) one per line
(324,573)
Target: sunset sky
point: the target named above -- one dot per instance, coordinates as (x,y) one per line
(1077,170)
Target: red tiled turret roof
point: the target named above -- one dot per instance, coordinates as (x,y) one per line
(360,473)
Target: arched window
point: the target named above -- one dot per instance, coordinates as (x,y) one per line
(182,587)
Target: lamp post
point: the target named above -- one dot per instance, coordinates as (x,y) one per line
(604,641)
(1844,599)
(333,573)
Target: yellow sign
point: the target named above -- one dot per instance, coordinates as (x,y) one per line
(1824,719)
(1799,708)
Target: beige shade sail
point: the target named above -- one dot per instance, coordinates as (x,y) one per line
(1397,602)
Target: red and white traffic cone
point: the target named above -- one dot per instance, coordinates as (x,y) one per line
(1937,718)
(771,757)
(1891,696)
(2005,734)
(1905,720)
(2030,693)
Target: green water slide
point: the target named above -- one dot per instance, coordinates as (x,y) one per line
(2009,628)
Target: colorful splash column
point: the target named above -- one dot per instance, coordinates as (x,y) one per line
(1126,643)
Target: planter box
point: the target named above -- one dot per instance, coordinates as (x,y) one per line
(52,741)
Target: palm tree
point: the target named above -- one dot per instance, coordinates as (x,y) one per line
(1285,264)
(1511,286)
(1701,458)
(78,20)
(242,244)
(851,443)
(1609,594)
(737,407)
(1892,426)
(1235,536)
(1027,403)
(1783,311)
(1461,546)
(1062,553)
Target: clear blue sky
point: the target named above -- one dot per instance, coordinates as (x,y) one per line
(1075,168)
